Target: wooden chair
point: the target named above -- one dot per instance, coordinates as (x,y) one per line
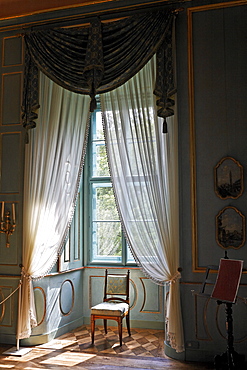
(115,305)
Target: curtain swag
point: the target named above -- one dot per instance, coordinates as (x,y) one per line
(97,59)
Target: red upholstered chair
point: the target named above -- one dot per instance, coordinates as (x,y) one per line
(115,305)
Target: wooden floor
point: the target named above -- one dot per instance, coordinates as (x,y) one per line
(143,350)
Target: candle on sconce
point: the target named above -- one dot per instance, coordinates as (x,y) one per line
(13,212)
(2,212)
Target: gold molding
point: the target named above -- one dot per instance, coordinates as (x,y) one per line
(65,271)
(205,325)
(192,142)
(82,16)
(229,4)
(135,295)
(218,325)
(11,304)
(3,51)
(193,193)
(86,3)
(45,305)
(2,305)
(56,8)
(218,309)
(73,297)
(145,296)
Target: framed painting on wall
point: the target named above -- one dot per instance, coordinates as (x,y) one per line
(230,228)
(228,174)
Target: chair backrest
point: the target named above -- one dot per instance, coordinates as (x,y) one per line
(116,285)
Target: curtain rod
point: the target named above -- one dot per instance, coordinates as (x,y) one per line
(87,23)
(104,15)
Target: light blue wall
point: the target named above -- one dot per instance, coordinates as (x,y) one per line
(212,83)
(63,302)
(63,299)
(146,298)
(11,171)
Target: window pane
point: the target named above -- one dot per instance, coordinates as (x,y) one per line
(107,241)
(99,157)
(130,258)
(98,133)
(104,206)
(100,164)
(107,236)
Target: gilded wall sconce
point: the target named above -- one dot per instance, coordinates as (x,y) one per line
(7,225)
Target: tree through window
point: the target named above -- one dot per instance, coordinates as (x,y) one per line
(105,238)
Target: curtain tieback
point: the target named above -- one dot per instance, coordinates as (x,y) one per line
(25,274)
(176,276)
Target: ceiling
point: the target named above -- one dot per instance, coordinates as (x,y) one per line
(18,8)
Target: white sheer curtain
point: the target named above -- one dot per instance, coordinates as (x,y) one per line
(53,164)
(143,164)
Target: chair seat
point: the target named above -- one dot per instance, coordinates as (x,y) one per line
(109,308)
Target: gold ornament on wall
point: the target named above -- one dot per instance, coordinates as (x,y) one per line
(7,224)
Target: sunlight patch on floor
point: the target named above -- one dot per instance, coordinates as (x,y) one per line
(7,366)
(33,355)
(58,344)
(35,368)
(68,359)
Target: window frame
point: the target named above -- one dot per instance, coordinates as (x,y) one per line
(88,181)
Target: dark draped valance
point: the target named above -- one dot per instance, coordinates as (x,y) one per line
(98,58)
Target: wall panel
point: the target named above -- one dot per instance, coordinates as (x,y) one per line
(212,85)
(11,174)
(146,298)
(218,85)
(11,98)
(12,51)
(10,162)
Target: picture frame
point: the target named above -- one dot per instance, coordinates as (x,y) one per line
(230,228)
(228,174)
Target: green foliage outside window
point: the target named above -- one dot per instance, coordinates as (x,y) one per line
(106,242)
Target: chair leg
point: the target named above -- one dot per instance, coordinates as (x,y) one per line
(128,324)
(105,326)
(120,331)
(92,328)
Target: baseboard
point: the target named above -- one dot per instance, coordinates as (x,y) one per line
(7,338)
(140,324)
(47,337)
(170,352)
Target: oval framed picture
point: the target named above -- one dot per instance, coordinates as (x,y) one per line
(230,228)
(228,178)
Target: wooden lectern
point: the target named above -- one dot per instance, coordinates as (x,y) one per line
(225,292)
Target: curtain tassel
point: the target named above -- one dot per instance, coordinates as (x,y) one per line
(26,137)
(93,103)
(164,131)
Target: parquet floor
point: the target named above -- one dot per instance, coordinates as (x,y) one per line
(143,350)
